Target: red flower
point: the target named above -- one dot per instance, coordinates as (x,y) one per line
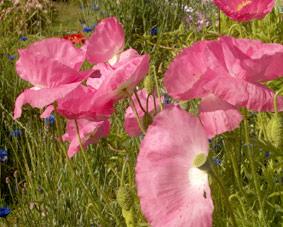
(77,38)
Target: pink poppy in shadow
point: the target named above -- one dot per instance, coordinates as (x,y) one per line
(90,132)
(173,191)
(245,10)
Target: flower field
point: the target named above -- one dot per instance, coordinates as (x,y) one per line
(162,113)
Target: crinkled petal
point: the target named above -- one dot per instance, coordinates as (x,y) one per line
(218,116)
(172,192)
(79,104)
(241,93)
(107,40)
(42,97)
(183,79)
(58,49)
(42,71)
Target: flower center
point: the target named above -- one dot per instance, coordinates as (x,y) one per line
(243,4)
(197,177)
(199,160)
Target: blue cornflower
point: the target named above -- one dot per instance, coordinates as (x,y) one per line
(50,120)
(267,154)
(87,29)
(16,133)
(166,99)
(4,211)
(216,161)
(23,38)
(154,31)
(3,155)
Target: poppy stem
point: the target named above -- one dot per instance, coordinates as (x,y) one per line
(139,102)
(224,194)
(157,89)
(132,104)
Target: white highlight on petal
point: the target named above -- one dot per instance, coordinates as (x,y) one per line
(114,59)
(197,177)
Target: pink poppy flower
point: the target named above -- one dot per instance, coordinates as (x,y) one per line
(173,191)
(224,71)
(52,67)
(90,132)
(218,116)
(107,41)
(130,124)
(245,10)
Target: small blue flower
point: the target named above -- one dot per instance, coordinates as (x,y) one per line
(87,29)
(3,155)
(4,211)
(216,161)
(16,133)
(11,57)
(166,99)
(23,38)
(154,31)
(50,120)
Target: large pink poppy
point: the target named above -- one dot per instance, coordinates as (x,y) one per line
(52,67)
(225,71)
(130,124)
(245,10)
(90,132)
(173,191)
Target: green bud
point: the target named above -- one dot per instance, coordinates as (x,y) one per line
(147,120)
(148,84)
(124,198)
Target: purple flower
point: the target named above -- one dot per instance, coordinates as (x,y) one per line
(154,31)
(4,211)
(23,38)
(3,155)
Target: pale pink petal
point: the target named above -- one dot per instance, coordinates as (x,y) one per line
(241,93)
(124,78)
(245,10)
(42,97)
(58,49)
(172,192)
(90,132)
(218,116)
(47,112)
(183,79)
(125,56)
(107,40)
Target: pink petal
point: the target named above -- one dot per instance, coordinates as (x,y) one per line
(42,97)
(90,132)
(245,10)
(172,192)
(79,104)
(57,49)
(47,112)
(124,78)
(183,77)
(218,116)
(107,40)
(241,93)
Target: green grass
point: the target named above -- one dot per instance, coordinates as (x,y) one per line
(45,188)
